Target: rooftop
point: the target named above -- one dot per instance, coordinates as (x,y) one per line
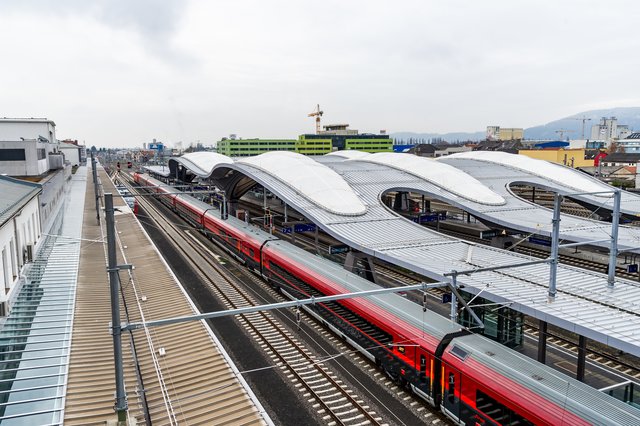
(15,194)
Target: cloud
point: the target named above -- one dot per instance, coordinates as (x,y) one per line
(154,22)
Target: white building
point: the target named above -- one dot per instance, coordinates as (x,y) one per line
(28,146)
(72,153)
(24,157)
(14,129)
(20,231)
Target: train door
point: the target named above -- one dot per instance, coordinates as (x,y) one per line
(423,386)
(451,391)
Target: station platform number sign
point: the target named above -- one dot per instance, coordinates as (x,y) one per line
(338,249)
(299,227)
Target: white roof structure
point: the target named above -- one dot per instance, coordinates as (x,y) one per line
(500,175)
(316,182)
(447,177)
(202,163)
(554,172)
(158,170)
(349,154)
(584,304)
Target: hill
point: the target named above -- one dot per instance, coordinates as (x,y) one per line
(628,115)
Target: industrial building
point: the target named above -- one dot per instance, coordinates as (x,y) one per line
(569,157)
(609,129)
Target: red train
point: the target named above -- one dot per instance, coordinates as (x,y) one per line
(473,380)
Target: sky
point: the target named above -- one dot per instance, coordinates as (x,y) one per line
(120,73)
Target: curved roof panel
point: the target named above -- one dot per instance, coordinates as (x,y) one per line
(202,163)
(348,154)
(544,169)
(314,181)
(447,177)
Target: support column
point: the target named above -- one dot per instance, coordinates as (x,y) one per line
(613,250)
(351,263)
(555,242)
(114,287)
(582,353)
(96,188)
(453,315)
(542,341)
(401,201)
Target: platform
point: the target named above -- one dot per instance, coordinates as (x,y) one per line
(57,352)
(186,375)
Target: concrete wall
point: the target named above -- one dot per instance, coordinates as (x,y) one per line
(71,154)
(31,166)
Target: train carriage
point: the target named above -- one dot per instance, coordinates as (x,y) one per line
(472,379)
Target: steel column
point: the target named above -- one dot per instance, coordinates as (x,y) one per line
(555,242)
(96,188)
(454,301)
(542,341)
(114,287)
(582,352)
(613,250)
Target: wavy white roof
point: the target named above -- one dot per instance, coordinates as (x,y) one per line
(443,175)
(314,181)
(349,154)
(207,160)
(544,169)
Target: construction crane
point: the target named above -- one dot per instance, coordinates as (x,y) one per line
(562,132)
(584,120)
(317,114)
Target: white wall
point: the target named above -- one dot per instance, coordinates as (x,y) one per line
(71,153)
(13,131)
(31,166)
(23,229)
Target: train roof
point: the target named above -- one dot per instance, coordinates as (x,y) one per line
(577,397)
(406,310)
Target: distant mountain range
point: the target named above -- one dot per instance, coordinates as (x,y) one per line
(629,116)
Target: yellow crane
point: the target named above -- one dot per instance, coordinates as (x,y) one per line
(317,114)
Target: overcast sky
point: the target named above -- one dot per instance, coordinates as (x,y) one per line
(121,72)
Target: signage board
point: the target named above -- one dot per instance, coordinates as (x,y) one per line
(338,249)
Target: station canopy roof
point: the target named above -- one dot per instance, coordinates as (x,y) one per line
(442,175)
(584,305)
(554,172)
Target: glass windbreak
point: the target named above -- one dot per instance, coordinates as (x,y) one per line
(35,338)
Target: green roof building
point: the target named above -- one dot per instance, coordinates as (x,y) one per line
(335,137)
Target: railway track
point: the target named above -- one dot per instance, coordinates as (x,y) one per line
(333,401)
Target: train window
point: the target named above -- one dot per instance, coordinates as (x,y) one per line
(459,352)
(499,412)
(251,252)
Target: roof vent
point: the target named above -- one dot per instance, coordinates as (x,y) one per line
(490,353)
